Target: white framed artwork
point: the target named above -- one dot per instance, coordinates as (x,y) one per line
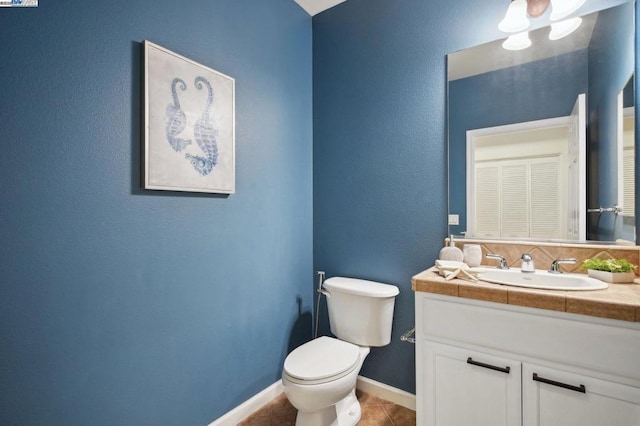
(189,128)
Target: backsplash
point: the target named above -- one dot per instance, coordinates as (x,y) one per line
(545,253)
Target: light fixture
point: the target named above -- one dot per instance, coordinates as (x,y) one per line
(564,28)
(515,19)
(518,41)
(563,8)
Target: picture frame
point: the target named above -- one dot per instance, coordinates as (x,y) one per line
(189,124)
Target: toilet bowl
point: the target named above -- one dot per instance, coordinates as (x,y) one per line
(320,376)
(319,380)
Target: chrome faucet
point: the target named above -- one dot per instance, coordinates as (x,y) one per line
(503,261)
(527,263)
(554,269)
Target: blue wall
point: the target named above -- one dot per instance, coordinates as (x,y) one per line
(380,165)
(120,306)
(537,90)
(380,159)
(611,44)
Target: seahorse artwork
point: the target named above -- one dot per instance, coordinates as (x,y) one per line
(176,119)
(206,134)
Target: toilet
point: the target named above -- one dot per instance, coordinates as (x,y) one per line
(320,376)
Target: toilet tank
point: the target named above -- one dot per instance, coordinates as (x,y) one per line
(360,311)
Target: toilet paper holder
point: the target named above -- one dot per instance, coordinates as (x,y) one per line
(409,336)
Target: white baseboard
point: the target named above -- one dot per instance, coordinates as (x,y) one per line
(386,392)
(250,406)
(253,404)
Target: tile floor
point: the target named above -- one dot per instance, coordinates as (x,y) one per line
(375,412)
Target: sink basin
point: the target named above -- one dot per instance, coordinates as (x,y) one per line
(541,279)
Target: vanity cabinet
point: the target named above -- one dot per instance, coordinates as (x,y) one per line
(490,364)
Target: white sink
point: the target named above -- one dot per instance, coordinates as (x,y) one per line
(541,279)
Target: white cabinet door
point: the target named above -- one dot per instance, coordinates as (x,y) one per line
(553,397)
(465,387)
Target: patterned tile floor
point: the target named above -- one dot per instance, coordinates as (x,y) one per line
(375,412)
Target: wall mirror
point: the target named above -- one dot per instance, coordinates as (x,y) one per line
(541,140)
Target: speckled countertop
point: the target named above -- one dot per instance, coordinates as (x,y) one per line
(619,301)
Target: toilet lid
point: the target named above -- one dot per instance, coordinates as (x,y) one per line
(321,358)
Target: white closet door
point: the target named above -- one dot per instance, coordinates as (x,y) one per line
(487,200)
(629,180)
(545,198)
(515,212)
(519,199)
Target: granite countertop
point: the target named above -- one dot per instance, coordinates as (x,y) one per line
(619,301)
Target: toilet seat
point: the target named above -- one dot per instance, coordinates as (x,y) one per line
(321,360)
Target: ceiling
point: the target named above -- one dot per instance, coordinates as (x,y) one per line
(314,7)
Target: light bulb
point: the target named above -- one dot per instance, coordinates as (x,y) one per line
(516,17)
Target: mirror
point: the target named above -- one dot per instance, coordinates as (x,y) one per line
(537,136)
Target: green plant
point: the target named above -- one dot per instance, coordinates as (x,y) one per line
(609,265)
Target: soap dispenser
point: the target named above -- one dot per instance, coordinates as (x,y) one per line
(451,252)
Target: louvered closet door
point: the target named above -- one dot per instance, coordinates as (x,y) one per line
(629,182)
(515,193)
(520,199)
(487,200)
(545,198)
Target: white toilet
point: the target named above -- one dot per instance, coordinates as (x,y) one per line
(319,377)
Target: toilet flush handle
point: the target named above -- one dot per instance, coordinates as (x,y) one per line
(320,282)
(323,291)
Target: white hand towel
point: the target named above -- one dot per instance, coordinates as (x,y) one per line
(451,269)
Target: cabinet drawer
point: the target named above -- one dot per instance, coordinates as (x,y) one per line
(533,333)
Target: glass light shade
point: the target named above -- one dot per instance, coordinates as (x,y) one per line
(564,28)
(518,41)
(516,17)
(563,8)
